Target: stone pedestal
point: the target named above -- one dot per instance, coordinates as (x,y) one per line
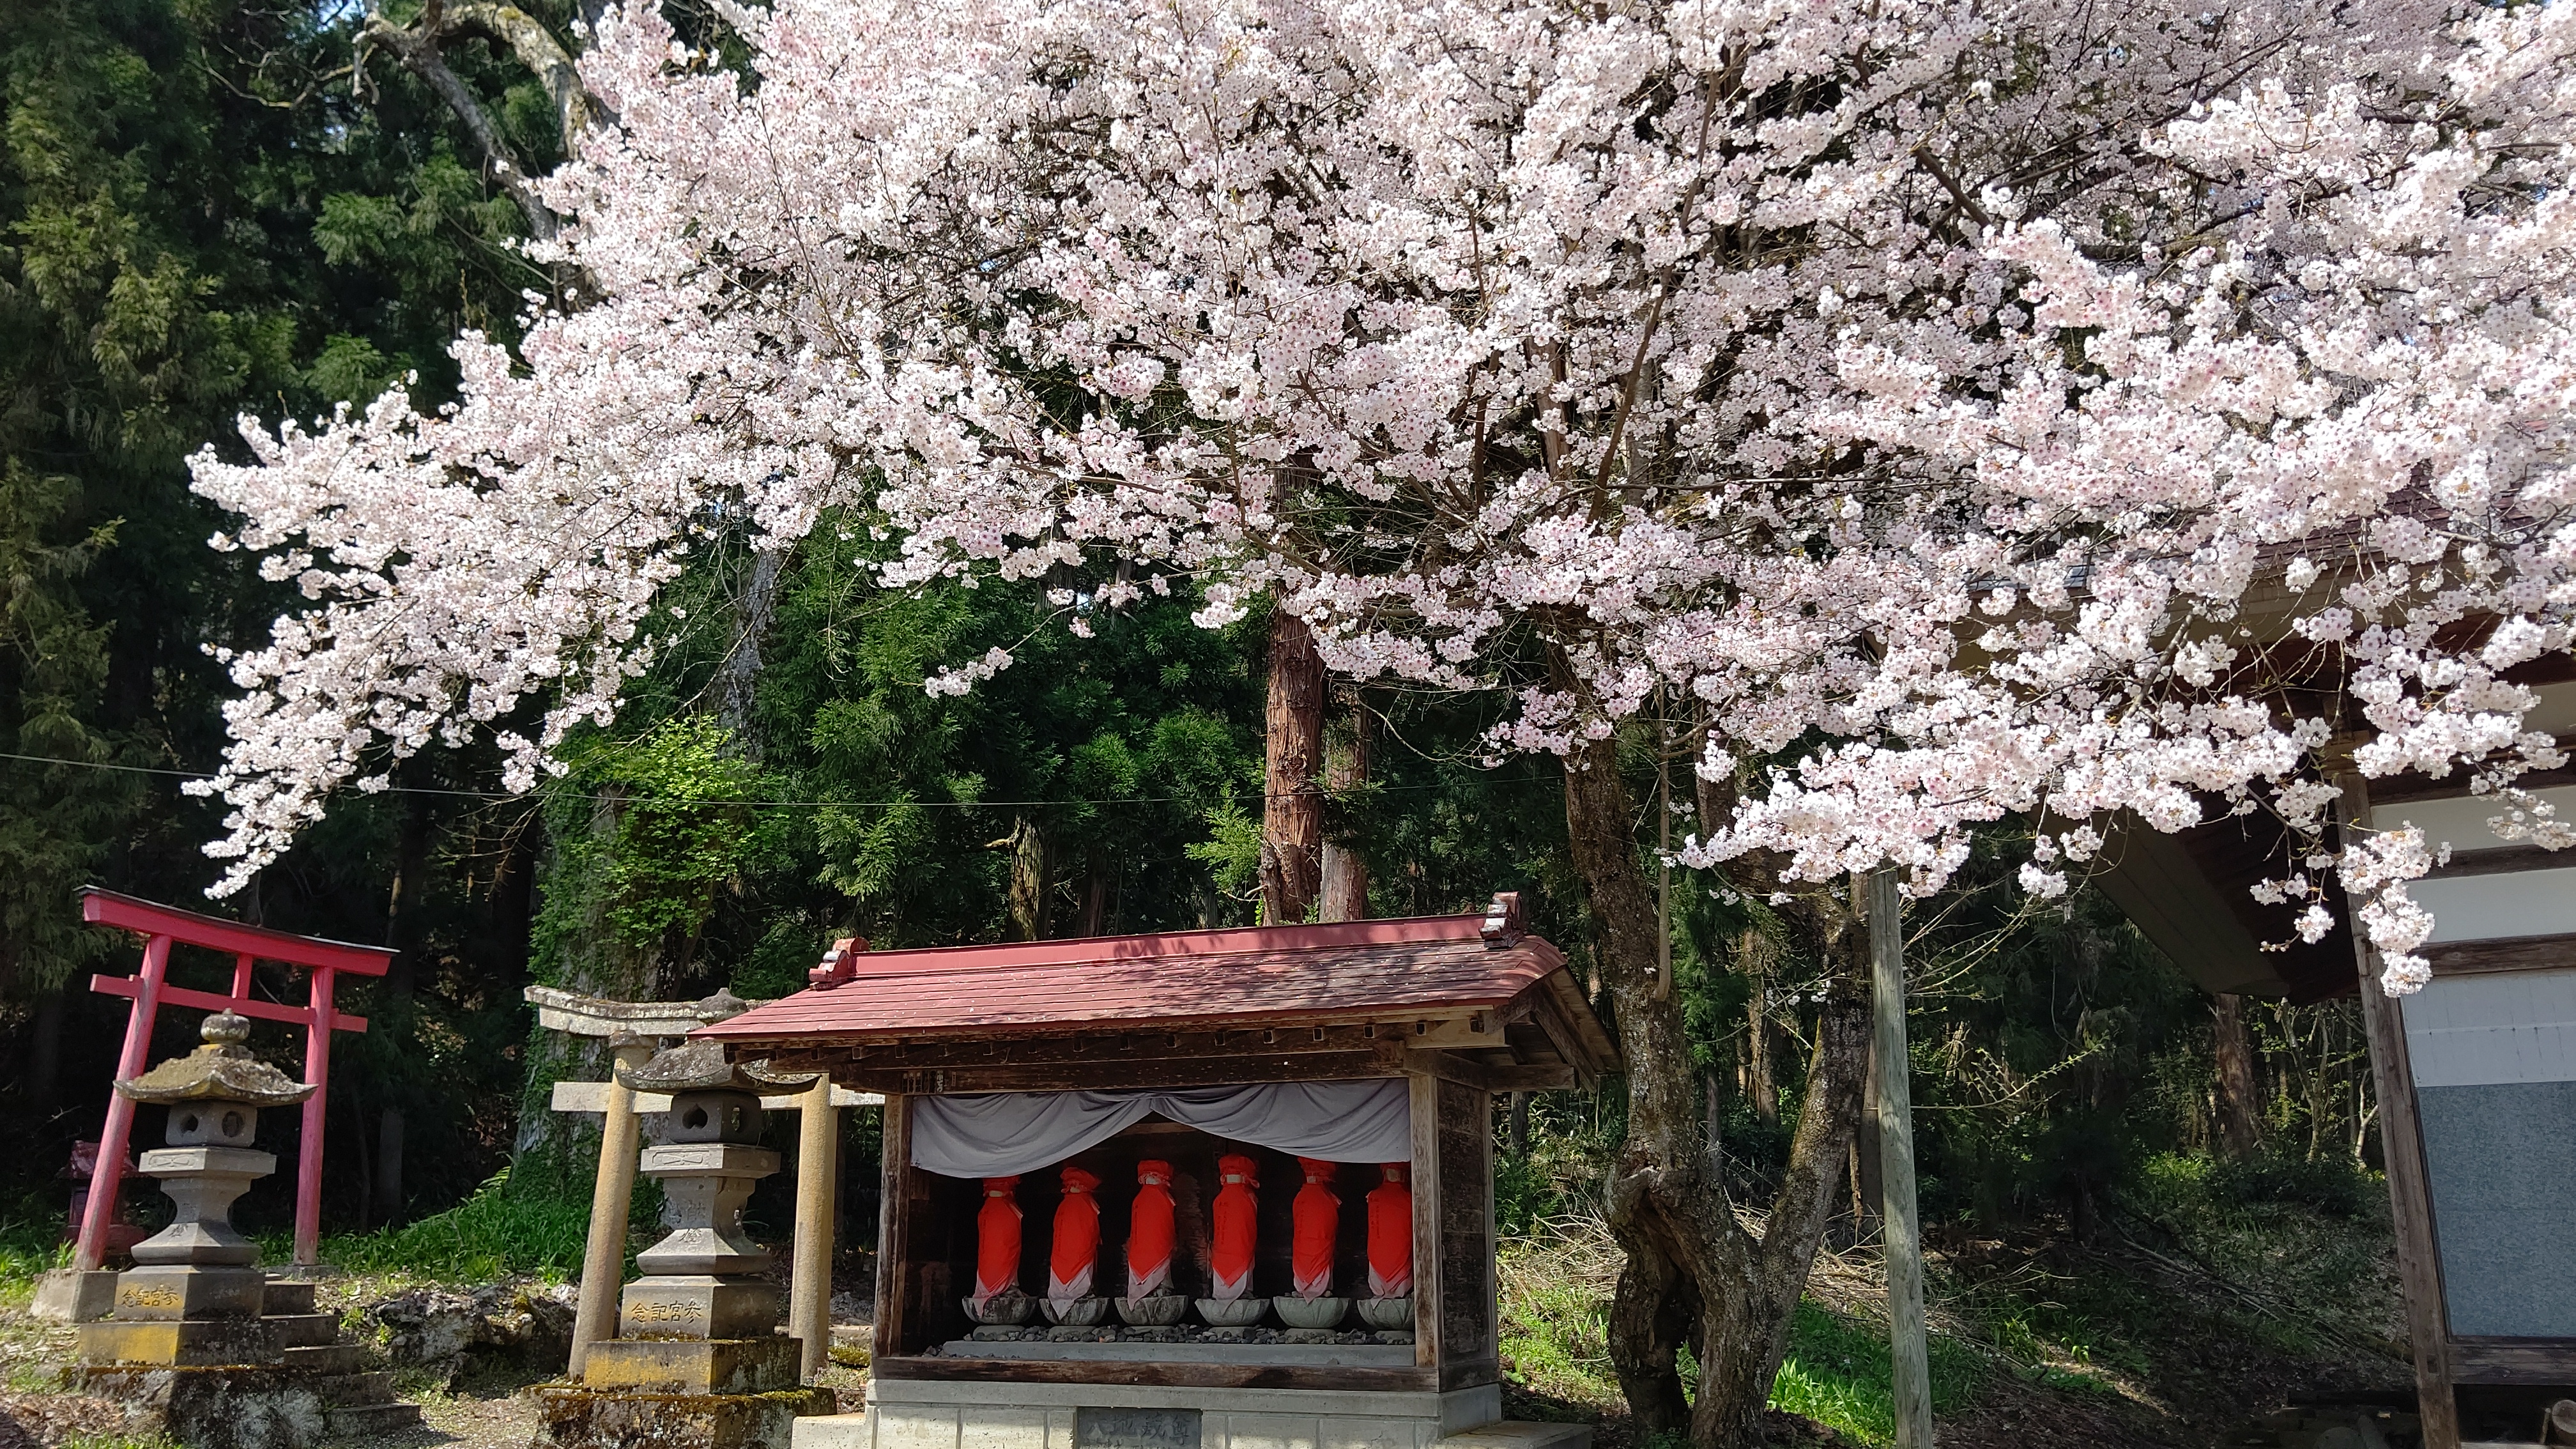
(698,1362)
(69,1295)
(198,1345)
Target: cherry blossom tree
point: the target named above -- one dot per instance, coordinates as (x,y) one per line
(2073,412)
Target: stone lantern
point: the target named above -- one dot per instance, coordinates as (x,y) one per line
(701,1318)
(195,1293)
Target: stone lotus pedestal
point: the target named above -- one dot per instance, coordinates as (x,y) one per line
(199,1345)
(698,1362)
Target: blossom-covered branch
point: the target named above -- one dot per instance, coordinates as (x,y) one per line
(2021,407)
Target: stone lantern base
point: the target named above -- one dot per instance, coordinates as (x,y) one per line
(581,1417)
(282,1380)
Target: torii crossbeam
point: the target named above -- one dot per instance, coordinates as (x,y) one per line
(149,990)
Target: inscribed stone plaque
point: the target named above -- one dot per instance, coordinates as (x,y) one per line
(1135,1429)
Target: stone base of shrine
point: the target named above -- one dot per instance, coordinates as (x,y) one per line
(68,1295)
(937,1414)
(239,1407)
(572,1416)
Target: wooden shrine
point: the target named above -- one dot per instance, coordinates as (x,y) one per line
(1371,1049)
(2475,1073)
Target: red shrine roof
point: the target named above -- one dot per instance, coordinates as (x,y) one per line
(1345,971)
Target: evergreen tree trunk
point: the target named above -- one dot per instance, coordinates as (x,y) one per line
(1691,1266)
(1292,808)
(411,873)
(45,1053)
(740,677)
(2239,1116)
(1099,883)
(1756,955)
(1032,873)
(594,962)
(1346,768)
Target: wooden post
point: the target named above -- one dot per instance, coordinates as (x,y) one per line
(2410,1202)
(1423,1104)
(894,1231)
(818,1182)
(603,1258)
(1902,1234)
(108,1177)
(308,1148)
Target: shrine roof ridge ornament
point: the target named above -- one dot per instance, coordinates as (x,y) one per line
(222,1070)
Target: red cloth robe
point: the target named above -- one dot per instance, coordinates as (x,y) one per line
(1390,1234)
(1318,1221)
(1076,1251)
(1230,1255)
(1149,1230)
(997,1238)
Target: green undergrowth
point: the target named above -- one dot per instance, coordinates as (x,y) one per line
(1556,1285)
(30,1247)
(492,1235)
(1838,1373)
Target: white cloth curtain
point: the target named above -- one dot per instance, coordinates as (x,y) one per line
(1001,1134)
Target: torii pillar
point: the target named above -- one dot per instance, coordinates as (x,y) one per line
(634,1030)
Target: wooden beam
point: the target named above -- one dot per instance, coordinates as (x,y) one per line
(1424,1108)
(2505,953)
(2419,1263)
(2545,1362)
(1156,1375)
(1107,1075)
(1180,1038)
(894,1216)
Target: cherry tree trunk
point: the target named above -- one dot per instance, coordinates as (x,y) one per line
(1292,802)
(1694,1275)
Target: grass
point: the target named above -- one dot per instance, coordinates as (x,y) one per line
(1556,1284)
(29,1249)
(492,1235)
(1838,1373)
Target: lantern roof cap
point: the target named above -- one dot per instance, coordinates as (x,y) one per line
(221,1070)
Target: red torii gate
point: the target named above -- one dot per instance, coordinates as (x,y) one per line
(149,990)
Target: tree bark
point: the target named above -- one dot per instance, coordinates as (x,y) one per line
(1292,807)
(419,47)
(1690,1263)
(1757,955)
(45,1053)
(1099,883)
(402,906)
(2239,1117)
(1346,768)
(1032,873)
(740,677)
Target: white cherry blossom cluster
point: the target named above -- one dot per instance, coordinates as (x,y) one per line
(1984,407)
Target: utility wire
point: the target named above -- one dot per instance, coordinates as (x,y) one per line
(505,796)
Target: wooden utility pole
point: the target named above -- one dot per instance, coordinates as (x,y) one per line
(1902,1233)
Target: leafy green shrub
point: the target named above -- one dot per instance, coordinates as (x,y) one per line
(493,1234)
(1837,1373)
(2328,1183)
